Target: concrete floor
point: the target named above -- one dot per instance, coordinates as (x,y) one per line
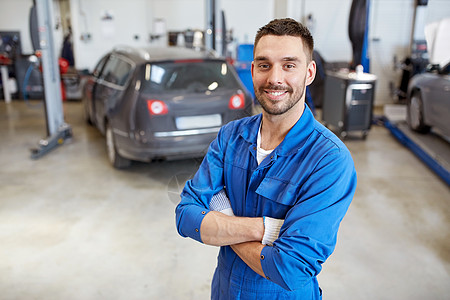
(72,227)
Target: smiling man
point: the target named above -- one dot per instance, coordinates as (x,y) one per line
(273,188)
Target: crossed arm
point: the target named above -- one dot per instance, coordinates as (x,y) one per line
(244,235)
(218,229)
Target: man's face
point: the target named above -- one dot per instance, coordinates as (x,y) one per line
(281,72)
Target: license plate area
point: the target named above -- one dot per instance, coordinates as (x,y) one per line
(193,122)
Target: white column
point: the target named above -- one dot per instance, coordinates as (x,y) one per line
(5,80)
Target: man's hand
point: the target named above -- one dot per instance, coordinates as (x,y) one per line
(221,228)
(221,203)
(246,236)
(250,253)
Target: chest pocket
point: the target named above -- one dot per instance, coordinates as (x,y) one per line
(277,197)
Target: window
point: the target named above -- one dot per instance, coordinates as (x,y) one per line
(122,71)
(193,76)
(116,71)
(108,71)
(99,66)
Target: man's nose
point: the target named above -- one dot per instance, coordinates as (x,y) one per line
(275,76)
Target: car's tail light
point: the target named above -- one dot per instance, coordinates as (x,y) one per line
(237,101)
(157,107)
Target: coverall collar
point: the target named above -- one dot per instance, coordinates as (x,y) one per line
(293,141)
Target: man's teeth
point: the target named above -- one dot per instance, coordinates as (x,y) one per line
(276,93)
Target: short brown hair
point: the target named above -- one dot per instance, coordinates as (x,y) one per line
(290,27)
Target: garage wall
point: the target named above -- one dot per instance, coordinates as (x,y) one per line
(390,34)
(389,37)
(180,14)
(390,26)
(14,16)
(246,16)
(131,22)
(328,26)
(137,18)
(10,12)
(100,25)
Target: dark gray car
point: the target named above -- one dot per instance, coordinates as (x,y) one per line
(162,103)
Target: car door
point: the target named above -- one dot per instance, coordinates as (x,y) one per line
(439,102)
(110,87)
(90,86)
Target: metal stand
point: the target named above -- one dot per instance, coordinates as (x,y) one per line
(215,37)
(46,145)
(348,102)
(57,130)
(6,92)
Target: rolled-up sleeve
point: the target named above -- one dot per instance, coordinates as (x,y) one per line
(198,191)
(189,221)
(309,233)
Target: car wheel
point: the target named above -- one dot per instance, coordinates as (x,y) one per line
(114,157)
(415,113)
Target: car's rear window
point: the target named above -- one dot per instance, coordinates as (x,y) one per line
(193,76)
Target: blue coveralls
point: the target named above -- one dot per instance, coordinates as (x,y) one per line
(308,180)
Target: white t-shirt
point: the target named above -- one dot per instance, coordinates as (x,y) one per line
(260,153)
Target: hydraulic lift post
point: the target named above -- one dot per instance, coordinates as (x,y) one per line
(57,130)
(215,32)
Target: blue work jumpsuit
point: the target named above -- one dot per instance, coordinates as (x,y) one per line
(308,180)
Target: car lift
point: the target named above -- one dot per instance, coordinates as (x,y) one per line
(216,31)
(57,130)
(433,150)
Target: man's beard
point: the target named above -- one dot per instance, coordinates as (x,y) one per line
(287,104)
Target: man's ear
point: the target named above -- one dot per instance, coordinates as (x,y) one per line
(310,72)
(253,66)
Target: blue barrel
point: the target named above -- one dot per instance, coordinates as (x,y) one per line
(243,66)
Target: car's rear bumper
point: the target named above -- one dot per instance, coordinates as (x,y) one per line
(169,145)
(189,132)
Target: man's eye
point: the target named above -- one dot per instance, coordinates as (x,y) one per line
(289,66)
(264,66)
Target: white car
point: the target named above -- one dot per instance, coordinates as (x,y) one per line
(429,93)
(429,101)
